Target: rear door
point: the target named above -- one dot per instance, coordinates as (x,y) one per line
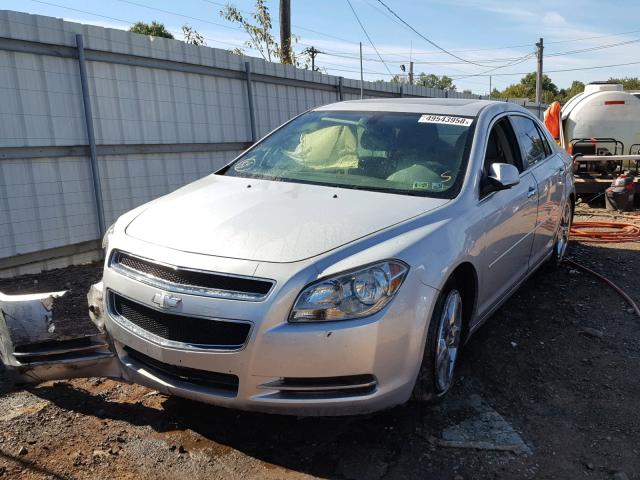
(508,219)
(548,170)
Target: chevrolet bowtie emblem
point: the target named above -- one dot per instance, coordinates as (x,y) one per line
(164,300)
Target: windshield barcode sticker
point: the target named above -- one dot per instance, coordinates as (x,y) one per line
(446,119)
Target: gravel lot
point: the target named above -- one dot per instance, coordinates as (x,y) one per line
(555,369)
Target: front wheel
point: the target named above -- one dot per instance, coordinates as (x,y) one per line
(437,371)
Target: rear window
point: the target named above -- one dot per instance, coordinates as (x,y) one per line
(404,153)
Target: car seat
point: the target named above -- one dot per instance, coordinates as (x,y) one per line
(379,142)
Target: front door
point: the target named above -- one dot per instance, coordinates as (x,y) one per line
(509,220)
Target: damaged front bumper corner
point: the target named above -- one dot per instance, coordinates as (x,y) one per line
(38,342)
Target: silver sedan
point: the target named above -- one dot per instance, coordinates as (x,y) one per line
(335,267)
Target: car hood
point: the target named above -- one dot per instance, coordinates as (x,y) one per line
(268,220)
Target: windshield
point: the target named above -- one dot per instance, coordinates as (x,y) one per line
(406,153)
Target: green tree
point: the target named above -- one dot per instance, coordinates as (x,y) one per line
(434,81)
(629,83)
(192,37)
(398,79)
(154,29)
(548,87)
(527,88)
(517,90)
(260,36)
(565,94)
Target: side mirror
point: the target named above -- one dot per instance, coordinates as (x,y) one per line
(503,176)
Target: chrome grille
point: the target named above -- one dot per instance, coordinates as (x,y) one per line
(181,329)
(190,281)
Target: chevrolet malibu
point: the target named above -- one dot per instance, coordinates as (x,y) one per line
(335,267)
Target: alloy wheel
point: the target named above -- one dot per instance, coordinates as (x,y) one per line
(449,333)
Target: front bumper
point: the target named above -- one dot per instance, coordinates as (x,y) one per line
(331,368)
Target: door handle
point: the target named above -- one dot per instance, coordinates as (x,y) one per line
(531,192)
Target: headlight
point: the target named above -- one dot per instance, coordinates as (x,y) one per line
(107,236)
(354,294)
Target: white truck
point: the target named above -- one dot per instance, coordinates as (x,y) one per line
(604,120)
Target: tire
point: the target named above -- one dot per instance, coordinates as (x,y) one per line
(562,235)
(435,378)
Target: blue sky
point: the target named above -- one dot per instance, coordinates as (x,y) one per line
(491,33)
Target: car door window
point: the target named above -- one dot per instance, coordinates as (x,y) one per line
(545,143)
(501,148)
(530,140)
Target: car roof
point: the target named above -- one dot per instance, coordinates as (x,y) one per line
(439,106)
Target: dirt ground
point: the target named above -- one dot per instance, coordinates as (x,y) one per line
(557,367)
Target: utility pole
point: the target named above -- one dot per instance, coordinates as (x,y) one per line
(312,52)
(410,73)
(361,74)
(540,48)
(285,31)
(490,90)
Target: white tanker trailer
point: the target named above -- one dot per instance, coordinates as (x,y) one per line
(604,120)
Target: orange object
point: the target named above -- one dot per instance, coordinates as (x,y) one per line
(605,232)
(552,119)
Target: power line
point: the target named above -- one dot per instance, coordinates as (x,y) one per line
(337,68)
(510,46)
(580,39)
(448,62)
(558,70)
(358,71)
(493,60)
(591,49)
(341,68)
(486,72)
(594,37)
(367,35)
(299,27)
(514,61)
(83,11)
(169,12)
(427,40)
(373,5)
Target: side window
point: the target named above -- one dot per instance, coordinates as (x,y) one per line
(531,142)
(545,142)
(502,147)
